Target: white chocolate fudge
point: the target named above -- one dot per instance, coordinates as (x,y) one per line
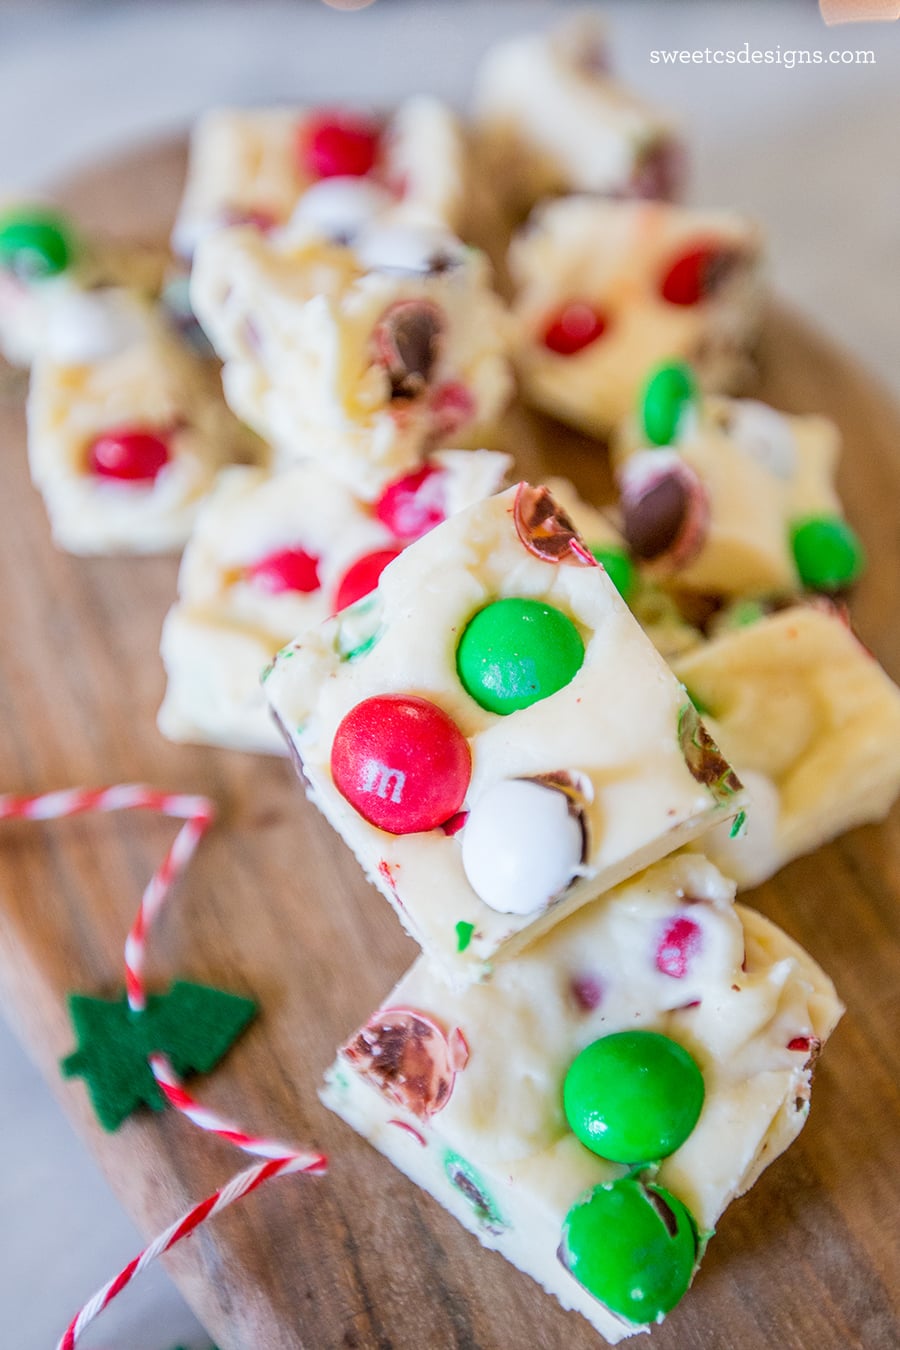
(495,697)
(256,165)
(43,262)
(812,724)
(551,120)
(463,1092)
(272,555)
(364,358)
(603,290)
(712,510)
(126,427)
(429,169)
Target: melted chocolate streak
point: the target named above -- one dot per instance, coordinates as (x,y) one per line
(664,1212)
(703,757)
(409,339)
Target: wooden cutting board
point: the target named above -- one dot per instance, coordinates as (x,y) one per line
(274,906)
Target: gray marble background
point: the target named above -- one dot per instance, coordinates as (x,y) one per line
(813,153)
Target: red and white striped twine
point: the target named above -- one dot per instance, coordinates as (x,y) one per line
(312,1163)
(198,813)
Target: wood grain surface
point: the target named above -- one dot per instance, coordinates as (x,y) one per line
(275,906)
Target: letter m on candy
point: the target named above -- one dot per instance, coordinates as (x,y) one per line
(384,781)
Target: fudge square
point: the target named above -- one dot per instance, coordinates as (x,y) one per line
(606,289)
(812,724)
(550,119)
(714,489)
(464,1091)
(44,261)
(256,165)
(362,357)
(494,736)
(273,554)
(127,427)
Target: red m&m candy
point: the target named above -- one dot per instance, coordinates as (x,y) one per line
(339,145)
(401,762)
(128,454)
(290,569)
(362,576)
(681,940)
(573,328)
(414,504)
(698,272)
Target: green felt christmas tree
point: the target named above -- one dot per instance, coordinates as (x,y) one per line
(193,1025)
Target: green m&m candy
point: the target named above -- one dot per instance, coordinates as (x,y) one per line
(34,244)
(634,1096)
(827,553)
(667,393)
(633,1246)
(515,652)
(618,567)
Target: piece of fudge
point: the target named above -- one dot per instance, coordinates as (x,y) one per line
(44,259)
(127,428)
(272,555)
(472,1095)
(363,358)
(257,165)
(603,290)
(713,490)
(551,119)
(812,724)
(494,736)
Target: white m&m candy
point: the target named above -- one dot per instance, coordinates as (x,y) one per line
(765,434)
(88,326)
(408,248)
(522,845)
(340,207)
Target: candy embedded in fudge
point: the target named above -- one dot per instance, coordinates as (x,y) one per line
(363,358)
(659,1026)
(812,724)
(657,612)
(606,289)
(551,119)
(337,168)
(494,736)
(43,260)
(38,249)
(126,426)
(730,497)
(271,555)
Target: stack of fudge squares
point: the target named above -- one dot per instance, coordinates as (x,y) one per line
(558,734)
(362,341)
(597,1050)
